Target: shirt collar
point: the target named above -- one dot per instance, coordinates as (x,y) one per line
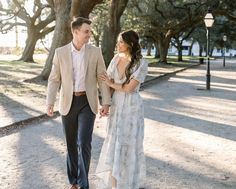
(73,49)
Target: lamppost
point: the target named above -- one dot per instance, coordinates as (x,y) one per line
(209,20)
(224,39)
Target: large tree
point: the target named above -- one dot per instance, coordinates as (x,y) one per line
(112,28)
(178,39)
(162,20)
(65,10)
(226,22)
(37,24)
(169,18)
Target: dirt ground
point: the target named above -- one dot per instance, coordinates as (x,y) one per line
(189,143)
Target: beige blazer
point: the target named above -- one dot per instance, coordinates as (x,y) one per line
(62,76)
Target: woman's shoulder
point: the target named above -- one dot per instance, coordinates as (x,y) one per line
(141,64)
(115,59)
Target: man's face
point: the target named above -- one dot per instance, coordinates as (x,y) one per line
(82,34)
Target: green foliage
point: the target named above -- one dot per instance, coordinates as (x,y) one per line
(99,17)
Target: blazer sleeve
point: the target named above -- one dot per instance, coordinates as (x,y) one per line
(54,81)
(104,89)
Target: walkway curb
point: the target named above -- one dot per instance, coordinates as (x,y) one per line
(5,130)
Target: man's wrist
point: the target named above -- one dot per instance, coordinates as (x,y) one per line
(106,105)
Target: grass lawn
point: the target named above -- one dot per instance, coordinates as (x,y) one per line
(173,60)
(13,74)
(20,100)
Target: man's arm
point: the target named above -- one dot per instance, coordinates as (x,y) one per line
(128,88)
(54,82)
(104,89)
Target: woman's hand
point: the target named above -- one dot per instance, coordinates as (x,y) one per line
(104,77)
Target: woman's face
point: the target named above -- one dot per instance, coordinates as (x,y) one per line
(122,46)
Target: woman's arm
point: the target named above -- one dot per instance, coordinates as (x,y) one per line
(130,87)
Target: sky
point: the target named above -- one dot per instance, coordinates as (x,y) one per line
(9,39)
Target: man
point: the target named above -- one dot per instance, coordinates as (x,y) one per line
(76,67)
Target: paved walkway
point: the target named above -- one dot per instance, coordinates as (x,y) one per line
(189,143)
(18,108)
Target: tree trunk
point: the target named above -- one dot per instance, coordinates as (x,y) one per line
(211,51)
(108,43)
(163,44)
(112,30)
(83,7)
(31,41)
(65,11)
(32,38)
(178,44)
(190,49)
(200,50)
(149,49)
(62,34)
(157,54)
(180,54)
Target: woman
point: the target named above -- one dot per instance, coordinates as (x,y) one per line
(122,162)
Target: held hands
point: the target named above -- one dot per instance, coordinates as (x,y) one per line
(104,77)
(104,111)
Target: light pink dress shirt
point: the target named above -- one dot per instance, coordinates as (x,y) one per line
(78,68)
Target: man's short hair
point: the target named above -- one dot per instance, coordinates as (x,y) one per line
(79,21)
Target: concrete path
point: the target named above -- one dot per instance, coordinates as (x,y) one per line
(25,104)
(190,137)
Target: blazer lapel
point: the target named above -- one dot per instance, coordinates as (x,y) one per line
(68,57)
(86,57)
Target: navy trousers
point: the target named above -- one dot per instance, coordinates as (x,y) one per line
(78,128)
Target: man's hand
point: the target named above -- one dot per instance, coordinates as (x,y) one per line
(104,111)
(50,110)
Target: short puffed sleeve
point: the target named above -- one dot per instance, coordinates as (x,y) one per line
(141,72)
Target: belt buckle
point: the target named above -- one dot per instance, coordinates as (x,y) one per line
(79,93)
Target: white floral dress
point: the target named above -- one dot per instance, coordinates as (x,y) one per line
(122,153)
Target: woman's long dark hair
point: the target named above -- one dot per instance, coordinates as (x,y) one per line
(131,38)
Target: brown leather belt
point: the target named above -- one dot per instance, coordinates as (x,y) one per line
(81,93)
